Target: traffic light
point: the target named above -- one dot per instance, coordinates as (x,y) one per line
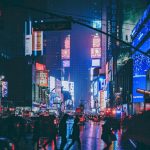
(52,26)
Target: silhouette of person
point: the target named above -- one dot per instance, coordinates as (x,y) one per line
(106,134)
(52,131)
(63,131)
(75,134)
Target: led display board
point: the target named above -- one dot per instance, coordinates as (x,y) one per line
(28,45)
(4,89)
(95,52)
(65,54)
(96,63)
(40,66)
(42,78)
(97,24)
(139,82)
(95,88)
(66,63)
(37,41)
(96,41)
(67,42)
(143,18)
(142,34)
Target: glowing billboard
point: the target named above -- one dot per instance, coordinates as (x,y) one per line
(67,42)
(139,82)
(95,88)
(96,62)
(42,78)
(40,66)
(28,45)
(65,54)
(95,52)
(97,24)
(66,63)
(65,85)
(37,41)
(96,47)
(96,41)
(4,89)
(34,40)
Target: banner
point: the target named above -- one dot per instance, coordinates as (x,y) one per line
(37,41)
(28,45)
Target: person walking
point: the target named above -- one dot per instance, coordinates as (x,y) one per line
(63,131)
(51,131)
(75,134)
(107,133)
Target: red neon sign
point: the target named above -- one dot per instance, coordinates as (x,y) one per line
(40,66)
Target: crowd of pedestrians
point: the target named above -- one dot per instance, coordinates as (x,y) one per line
(45,127)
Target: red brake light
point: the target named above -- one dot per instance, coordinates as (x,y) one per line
(18,125)
(55,121)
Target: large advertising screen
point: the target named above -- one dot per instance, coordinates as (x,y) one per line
(95,52)
(40,66)
(65,54)
(42,78)
(65,85)
(96,63)
(139,82)
(37,41)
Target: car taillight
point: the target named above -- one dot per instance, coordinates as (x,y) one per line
(114,112)
(55,121)
(18,125)
(13,147)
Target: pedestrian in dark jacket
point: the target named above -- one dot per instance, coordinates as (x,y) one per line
(63,131)
(106,134)
(75,134)
(51,131)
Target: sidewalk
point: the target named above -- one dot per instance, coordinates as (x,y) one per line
(138,129)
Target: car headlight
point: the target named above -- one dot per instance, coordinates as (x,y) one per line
(10,144)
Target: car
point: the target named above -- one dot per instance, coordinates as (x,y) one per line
(6,144)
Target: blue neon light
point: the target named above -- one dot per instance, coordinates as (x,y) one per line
(145,15)
(145,30)
(140,64)
(146,45)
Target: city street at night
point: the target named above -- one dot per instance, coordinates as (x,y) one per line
(90,135)
(74,74)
